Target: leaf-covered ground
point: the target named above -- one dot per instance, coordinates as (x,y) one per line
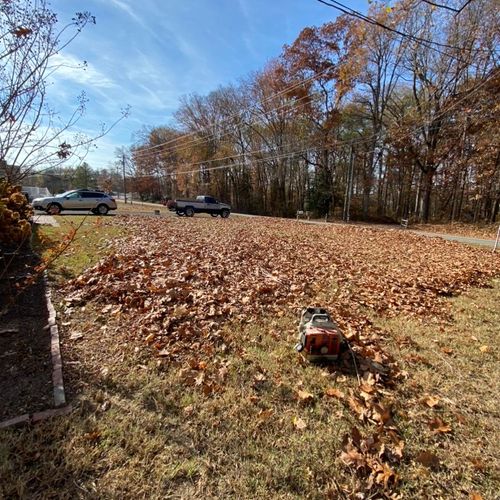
(175,283)
(182,278)
(179,353)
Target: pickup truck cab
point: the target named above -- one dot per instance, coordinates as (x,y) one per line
(202,204)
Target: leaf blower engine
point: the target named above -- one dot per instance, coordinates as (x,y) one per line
(320,338)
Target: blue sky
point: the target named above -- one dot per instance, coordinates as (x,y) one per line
(148,53)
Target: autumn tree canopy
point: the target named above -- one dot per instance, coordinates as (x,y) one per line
(390,116)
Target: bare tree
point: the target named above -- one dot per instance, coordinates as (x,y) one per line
(31,134)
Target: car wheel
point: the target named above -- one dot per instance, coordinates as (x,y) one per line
(54,209)
(225,213)
(102,209)
(189,211)
(214,215)
(179,213)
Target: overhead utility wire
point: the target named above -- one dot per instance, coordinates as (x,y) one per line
(335,143)
(442,6)
(416,128)
(147,153)
(342,142)
(235,115)
(344,9)
(422,41)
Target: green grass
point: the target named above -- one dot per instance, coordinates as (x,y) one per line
(224,428)
(93,239)
(458,364)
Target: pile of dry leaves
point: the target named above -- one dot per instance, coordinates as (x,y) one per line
(177,281)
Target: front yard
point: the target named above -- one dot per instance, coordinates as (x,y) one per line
(179,362)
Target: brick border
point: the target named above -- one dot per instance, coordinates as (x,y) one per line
(33,418)
(55,349)
(57,375)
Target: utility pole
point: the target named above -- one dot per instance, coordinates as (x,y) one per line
(124,178)
(348,188)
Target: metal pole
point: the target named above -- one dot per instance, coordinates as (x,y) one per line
(124,178)
(497,240)
(349,184)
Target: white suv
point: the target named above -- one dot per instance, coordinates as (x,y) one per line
(97,202)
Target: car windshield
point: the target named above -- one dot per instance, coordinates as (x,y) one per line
(65,193)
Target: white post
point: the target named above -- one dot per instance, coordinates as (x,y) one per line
(497,240)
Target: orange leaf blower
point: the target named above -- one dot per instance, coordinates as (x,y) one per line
(320,338)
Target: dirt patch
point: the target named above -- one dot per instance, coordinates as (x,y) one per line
(25,362)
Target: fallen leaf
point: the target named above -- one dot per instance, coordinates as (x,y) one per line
(353,457)
(92,436)
(265,415)
(430,401)
(383,474)
(439,427)
(357,407)
(335,393)
(304,396)
(485,348)
(299,423)
(381,414)
(478,464)
(398,449)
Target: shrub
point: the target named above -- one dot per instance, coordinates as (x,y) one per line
(15,212)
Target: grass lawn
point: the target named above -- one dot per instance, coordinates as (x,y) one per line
(179,361)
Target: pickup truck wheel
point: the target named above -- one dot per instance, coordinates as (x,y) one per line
(214,215)
(224,213)
(189,211)
(179,213)
(54,209)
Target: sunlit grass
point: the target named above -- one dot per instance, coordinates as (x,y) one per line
(144,427)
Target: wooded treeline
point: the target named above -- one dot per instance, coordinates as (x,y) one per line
(391,119)
(60,179)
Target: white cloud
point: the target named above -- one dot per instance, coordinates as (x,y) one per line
(69,67)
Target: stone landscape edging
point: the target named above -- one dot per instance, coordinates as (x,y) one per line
(55,349)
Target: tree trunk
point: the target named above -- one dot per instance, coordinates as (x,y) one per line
(428,183)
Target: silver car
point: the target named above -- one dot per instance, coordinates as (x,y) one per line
(97,202)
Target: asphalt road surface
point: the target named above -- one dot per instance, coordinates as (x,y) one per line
(142,205)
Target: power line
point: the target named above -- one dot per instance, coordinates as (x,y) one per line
(447,7)
(343,142)
(146,153)
(143,151)
(238,115)
(441,6)
(330,146)
(422,41)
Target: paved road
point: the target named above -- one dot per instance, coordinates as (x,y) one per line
(450,237)
(460,239)
(44,220)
